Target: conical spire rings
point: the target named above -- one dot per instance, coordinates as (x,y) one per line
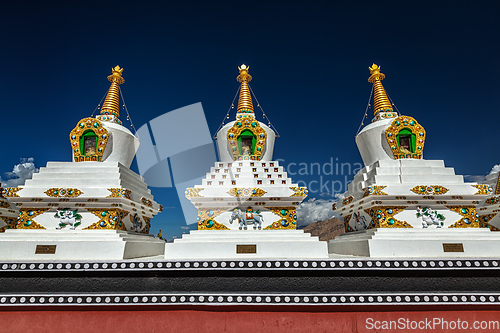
(245,105)
(111,105)
(381,102)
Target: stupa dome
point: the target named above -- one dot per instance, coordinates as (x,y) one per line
(104,138)
(245,138)
(390,136)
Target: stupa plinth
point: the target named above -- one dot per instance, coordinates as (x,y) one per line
(246,198)
(92,207)
(402,205)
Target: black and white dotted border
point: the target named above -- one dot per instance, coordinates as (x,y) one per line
(327,264)
(252,299)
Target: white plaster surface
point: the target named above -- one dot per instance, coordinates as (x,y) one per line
(20,244)
(398,178)
(221,244)
(492,180)
(372,143)
(398,243)
(224,176)
(495,221)
(93,179)
(122,144)
(401,175)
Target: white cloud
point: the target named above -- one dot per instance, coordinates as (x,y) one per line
(481,178)
(22,171)
(495,169)
(314,210)
(338,196)
(475,178)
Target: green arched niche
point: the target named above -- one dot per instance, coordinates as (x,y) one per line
(406,137)
(88,140)
(244,139)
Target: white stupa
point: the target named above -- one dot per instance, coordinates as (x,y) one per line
(400,204)
(94,207)
(246,204)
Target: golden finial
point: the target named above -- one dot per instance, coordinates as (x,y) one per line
(375,73)
(111,105)
(116,75)
(380,100)
(244,76)
(497,189)
(245,104)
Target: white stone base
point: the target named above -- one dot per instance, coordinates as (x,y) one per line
(480,242)
(17,244)
(221,244)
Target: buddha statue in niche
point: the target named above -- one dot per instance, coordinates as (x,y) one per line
(90,143)
(404,144)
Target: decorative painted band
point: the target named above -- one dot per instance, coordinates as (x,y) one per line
(327,264)
(375,299)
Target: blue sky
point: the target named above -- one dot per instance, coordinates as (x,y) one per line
(309,63)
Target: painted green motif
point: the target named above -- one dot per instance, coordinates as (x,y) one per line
(68,216)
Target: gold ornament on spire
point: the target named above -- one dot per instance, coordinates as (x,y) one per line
(245,104)
(381,102)
(111,105)
(497,189)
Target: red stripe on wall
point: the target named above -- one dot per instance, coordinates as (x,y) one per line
(124,321)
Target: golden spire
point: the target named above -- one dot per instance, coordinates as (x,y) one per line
(245,104)
(111,104)
(380,100)
(497,189)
